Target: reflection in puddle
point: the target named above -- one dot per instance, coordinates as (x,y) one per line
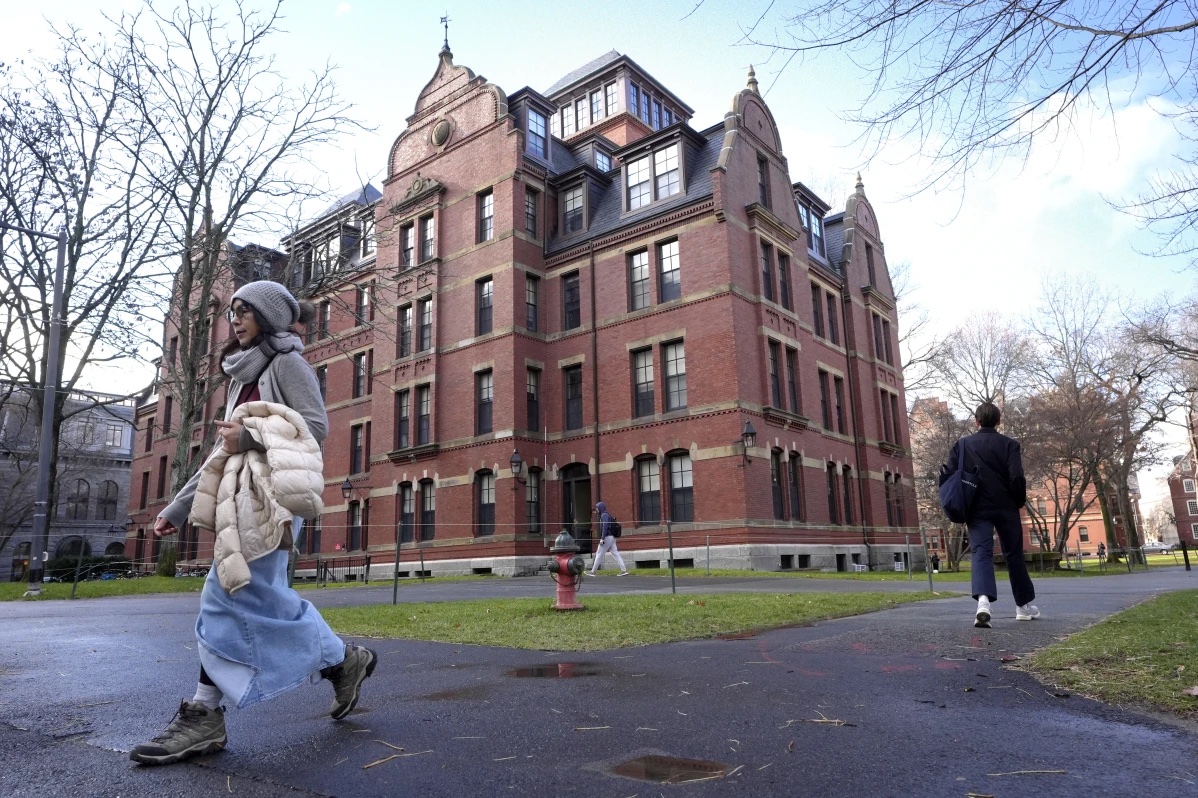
(670,769)
(560,670)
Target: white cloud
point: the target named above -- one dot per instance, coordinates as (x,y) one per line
(343,9)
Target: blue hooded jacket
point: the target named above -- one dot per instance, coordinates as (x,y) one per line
(604,520)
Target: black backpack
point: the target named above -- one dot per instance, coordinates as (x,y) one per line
(613,527)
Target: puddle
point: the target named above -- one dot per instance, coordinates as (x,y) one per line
(670,769)
(471,693)
(559,670)
(736,636)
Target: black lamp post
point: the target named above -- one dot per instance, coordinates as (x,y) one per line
(748,439)
(347,489)
(516,463)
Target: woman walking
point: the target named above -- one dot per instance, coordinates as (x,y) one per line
(256,637)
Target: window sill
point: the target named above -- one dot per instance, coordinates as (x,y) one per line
(412,454)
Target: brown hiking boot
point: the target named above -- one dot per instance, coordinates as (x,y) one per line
(347,678)
(195,730)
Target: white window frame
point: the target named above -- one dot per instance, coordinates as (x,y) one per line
(1191,506)
(1187,485)
(654,176)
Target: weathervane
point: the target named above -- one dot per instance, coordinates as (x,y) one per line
(445,21)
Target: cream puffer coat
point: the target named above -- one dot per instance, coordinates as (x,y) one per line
(251,498)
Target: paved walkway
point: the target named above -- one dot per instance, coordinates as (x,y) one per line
(908,701)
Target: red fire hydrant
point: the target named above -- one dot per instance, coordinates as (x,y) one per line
(566,568)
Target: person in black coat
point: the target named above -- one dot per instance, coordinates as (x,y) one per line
(1001,492)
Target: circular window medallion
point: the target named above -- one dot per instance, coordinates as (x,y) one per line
(441,132)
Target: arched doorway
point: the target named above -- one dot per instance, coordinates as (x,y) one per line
(576,504)
(69,547)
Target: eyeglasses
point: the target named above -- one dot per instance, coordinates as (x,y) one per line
(238,312)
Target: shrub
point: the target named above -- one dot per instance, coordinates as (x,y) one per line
(64,567)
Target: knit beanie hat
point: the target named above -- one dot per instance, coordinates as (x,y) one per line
(274,303)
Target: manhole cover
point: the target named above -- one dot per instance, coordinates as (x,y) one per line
(670,769)
(560,670)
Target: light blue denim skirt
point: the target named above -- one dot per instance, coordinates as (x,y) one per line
(264,639)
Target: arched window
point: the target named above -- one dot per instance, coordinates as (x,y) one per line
(648,491)
(848,495)
(776,483)
(833,498)
(795,468)
(407,513)
(889,494)
(900,516)
(114,549)
(532,501)
(682,490)
(106,502)
(484,491)
(77,503)
(70,546)
(428,509)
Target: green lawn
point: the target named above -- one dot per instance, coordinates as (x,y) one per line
(608,622)
(96,588)
(1145,656)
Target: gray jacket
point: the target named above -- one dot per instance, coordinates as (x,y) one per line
(288,380)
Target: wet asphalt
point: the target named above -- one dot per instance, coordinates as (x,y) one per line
(911,701)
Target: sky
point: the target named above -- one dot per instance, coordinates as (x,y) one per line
(1047,218)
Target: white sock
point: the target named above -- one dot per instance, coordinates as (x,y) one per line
(207,694)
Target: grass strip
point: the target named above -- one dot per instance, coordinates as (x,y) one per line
(608,622)
(101,588)
(1144,656)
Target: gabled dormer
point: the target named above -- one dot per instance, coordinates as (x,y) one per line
(532,113)
(342,239)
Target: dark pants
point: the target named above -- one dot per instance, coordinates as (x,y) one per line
(1010,537)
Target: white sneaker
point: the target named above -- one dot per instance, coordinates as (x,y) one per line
(1028,612)
(981,619)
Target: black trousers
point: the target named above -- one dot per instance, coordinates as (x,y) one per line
(1010,536)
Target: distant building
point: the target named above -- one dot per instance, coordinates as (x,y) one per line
(1183,492)
(94,452)
(576,295)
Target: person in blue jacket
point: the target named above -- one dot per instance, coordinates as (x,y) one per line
(1002,491)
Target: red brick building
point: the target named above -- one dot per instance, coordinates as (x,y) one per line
(583,283)
(1184,495)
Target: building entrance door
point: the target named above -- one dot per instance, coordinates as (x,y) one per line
(576,504)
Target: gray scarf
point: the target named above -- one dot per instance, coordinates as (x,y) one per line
(247,365)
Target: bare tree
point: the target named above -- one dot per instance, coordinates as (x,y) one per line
(985,360)
(922,350)
(975,82)
(934,430)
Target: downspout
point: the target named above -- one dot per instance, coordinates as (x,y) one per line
(595,378)
(846,301)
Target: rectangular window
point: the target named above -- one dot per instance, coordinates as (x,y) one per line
(114,436)
(403,426)
(322,380)
(869,265)
(886,423)
(573,210)
(486,215)
(428,510)
(567,121)
(794,466)
(405,331)
(485,395)
(645,106)
(1187,486)
(638,280)
(670,272)
(667,118)
(145,489)
(423,413)
(167,412)
(767,271)
(1191,507)
(886,341)
(1083,534)
(486,504)
(596,105)
(531,200)
(838,386)
(532,294)
(825,399)
(611,99)
(149,433)
(775,377)
(639,187)
(763,181)
(360,376)
(656,115)
(537,142)
(847,484)
(407,246)
(784,281)
(407,513)
(894,415)
(368,242)
(665,169)
(324,318)
(602,161)
(776,484)
(532,502)
(580,112)
(572,376)
(682,489)
(817,313)
(888,496)
(879,347)
(484,301)
(833,327)
(427,239)
(634,99)
(424,333)
(648,492)
(162,471)
(833,498)
(571,302)
(173,357)
(353,531)
(674,358)
(357,444)
(792,380)
(815,233)
(642,380)
(532,390)
(363,309)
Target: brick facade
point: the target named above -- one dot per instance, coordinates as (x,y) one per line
(686,256)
